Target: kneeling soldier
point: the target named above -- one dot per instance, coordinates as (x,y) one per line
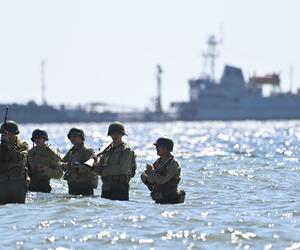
(163,176)
(116,165)
(13,153)
(81,180)
(43,163)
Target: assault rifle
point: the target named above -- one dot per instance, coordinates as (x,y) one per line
(5,120)
(90,162)
(3,126)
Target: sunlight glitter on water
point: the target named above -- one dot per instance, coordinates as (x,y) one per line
(241,180)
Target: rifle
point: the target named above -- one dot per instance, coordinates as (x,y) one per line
(3,128)
(164,165)
(5,120)
(158,170)
(90,162)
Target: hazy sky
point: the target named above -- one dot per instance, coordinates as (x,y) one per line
(106,51)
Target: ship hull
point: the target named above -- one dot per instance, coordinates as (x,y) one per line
(272,108)
(241,114)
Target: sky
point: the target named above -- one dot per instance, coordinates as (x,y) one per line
(107,50)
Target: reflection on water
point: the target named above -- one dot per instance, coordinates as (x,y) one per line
(241,180)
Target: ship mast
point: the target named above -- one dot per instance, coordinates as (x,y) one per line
(158,108)
(43,82)
(291,78)
(210,55)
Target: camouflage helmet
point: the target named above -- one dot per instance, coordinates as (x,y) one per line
(116,127)
(76,131)
(39,133)
(165,142)
(10,126)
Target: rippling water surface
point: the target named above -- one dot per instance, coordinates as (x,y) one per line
(242,185)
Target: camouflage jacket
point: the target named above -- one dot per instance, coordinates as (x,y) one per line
(164,172)
(73,164)
(117,160)
(44,161)
(13,159)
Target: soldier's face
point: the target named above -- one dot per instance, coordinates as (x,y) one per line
(161,150)
(75,139)
(116,137)
(39,141)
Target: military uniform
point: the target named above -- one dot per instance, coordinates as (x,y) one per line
(81,180)
(116,167)
(163,181)
(13,172)
(43,164)
(163,177)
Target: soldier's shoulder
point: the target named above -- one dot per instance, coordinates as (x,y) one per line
(127,148)
(52,150)
(23,144)
(88,149)
(31,150)
(67,154)
(175,163)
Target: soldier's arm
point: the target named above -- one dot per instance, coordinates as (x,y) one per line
(98,168)
(28,165)
(66,157)
(87,155)
(145,180)
(18,152)
(64,162)
(123,167)
(55,170)
(156,178)
(83,169)
(99,163)
(133,165)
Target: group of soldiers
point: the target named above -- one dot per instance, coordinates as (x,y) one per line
(23,170)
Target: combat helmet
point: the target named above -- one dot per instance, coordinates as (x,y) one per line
(76,131)
(37,133)
(165,142)
(116,127)
(10,126)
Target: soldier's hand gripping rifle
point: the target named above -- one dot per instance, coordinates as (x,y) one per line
(163,167)
(90,163)
(159,170)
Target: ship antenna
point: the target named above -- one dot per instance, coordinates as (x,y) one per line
(158,107)
(291,78)
(211,54)
(43,82)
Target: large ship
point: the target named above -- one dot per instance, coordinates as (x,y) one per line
(234,98)
(32,112)
(44,113)
(231,98)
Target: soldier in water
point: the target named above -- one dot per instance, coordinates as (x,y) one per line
(162,178)
(81,180)
(13,154)
(116,165)
(43,163)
